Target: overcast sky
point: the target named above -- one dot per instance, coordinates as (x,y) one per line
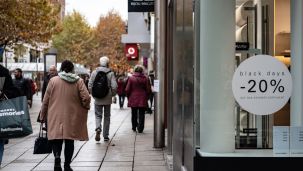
(93,9)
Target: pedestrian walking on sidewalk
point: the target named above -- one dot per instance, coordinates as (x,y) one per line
(6,89)
(151,78)
(138,89)
(103,86)
(23,85)
(121,90)
(51,73)
(65,106)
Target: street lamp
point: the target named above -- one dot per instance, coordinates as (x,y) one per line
(50,58)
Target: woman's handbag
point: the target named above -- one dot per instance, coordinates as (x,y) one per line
(14,118)
(42,145)
(114,99)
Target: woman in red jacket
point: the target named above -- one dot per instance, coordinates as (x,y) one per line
(121,90)
(138,89)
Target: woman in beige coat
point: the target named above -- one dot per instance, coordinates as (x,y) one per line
(65,106)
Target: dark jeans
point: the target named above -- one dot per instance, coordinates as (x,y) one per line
(135,124)
(151,99)
(68,150)
(1,149)
(150,105)
(121,100)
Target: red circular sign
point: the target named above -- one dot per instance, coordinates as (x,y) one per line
(131,50)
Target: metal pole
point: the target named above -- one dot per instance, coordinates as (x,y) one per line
(169,78)
(160,23)
(296,107)
(5,58)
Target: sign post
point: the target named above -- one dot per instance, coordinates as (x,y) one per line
(50,58)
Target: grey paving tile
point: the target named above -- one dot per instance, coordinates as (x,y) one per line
(85,164)
(146,148)
(116,164)
(120,150)
(16,164)
(116,168)
(45,166)
(150,168)
(149,153)
(118,157)
(149,163)
(117,148)
(75,168)
(149,158)
(90,157)
(16,168)
(85,168)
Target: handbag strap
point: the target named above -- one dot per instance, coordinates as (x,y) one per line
(41,131)
(2,95)
(2,81)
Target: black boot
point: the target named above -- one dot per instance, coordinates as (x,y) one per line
(67,167)
(57,166)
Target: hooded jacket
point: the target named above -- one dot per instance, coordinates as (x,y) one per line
(65,104)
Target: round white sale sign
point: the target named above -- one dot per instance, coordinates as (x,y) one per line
(262,85)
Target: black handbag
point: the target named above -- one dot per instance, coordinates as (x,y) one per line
(42,145)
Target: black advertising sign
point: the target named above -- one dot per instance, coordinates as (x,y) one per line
(141,5)
(242,45)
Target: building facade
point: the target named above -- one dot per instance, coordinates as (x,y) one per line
(208,129)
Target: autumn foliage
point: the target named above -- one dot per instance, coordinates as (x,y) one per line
(75,41)
(83,44)
(108,37)
(38,21)
(27,21)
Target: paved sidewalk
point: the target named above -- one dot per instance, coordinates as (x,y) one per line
(126,150)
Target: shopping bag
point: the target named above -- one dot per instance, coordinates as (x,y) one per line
(42,145)
(14,118)
(114,99)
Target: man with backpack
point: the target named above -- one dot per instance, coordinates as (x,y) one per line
(103,86)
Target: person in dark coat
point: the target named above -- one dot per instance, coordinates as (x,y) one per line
(121,90)
(23,85)
(151,96)
(7,90)
(137,90)
(52,72)
(8,87)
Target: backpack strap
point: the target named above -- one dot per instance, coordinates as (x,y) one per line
(109,81)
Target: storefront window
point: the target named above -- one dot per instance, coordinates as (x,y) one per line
(230,33)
